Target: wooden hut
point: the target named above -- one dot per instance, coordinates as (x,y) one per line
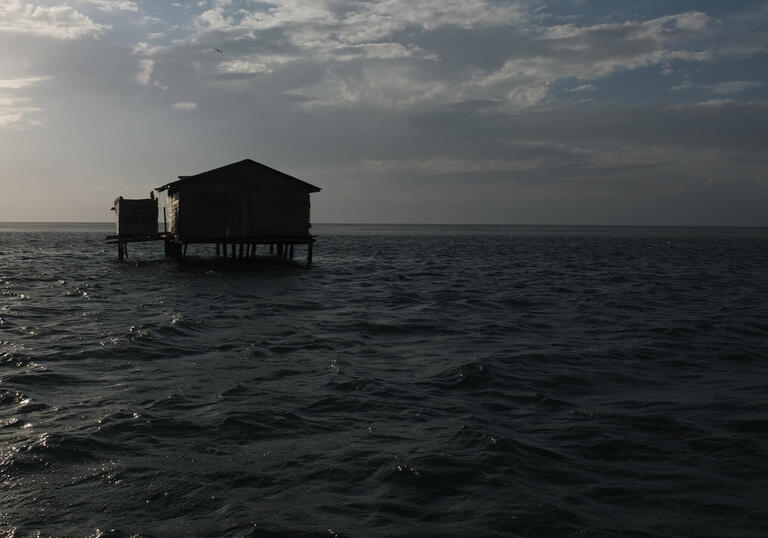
(135,220)
(242,204)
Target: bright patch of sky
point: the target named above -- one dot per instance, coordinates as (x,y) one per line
(516,111)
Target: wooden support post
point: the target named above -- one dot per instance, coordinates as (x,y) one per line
(233,249)
(217,249)
(309,251)
(184,254)
(291,251)
(271,249)
(125,250)
(120,250)
(253,250)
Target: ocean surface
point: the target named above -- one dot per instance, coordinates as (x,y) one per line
(415,381)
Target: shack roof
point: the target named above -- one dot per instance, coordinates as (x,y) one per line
(222,171)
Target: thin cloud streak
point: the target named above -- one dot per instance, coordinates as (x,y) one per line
(184,105)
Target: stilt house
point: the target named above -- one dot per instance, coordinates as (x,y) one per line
(244,202)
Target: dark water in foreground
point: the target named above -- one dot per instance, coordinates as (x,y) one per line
(417,381)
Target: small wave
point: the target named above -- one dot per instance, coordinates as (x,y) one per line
(467,376)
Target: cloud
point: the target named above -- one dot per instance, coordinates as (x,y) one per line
(328,30)
(359,22)
(734,86)
(582,88)
(723,125)
(18,111)
(58,22)
(185,105)
(390,86)
(524,157)
(144,75)
(715,103)
(683,86)
(444,165)
(142,48)
(403,53)
(589,53)
(350,32)
(721,89)
(113,5)
(20,83)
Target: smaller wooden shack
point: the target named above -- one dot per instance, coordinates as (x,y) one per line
(136,218)
(242,204)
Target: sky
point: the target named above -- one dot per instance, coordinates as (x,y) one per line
(413,111)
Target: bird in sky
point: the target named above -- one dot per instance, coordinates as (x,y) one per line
(220,51)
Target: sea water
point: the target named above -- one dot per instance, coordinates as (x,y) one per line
(415,381)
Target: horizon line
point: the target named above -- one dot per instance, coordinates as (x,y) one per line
(439,224)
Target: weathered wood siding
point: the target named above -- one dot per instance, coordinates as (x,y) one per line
(136,217)
(172,211)
(241,205)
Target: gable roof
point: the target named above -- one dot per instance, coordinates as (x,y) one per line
(257,167)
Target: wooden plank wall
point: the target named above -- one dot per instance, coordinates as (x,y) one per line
(172,211)
(241,208)
(136,217)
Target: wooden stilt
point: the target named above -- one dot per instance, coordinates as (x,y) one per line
(271,249)
(120,250)
(309,251)
(233,250)
(241,251)
(291,251)
(125,250)
(217,249)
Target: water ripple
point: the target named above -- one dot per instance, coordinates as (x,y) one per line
(418,384)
